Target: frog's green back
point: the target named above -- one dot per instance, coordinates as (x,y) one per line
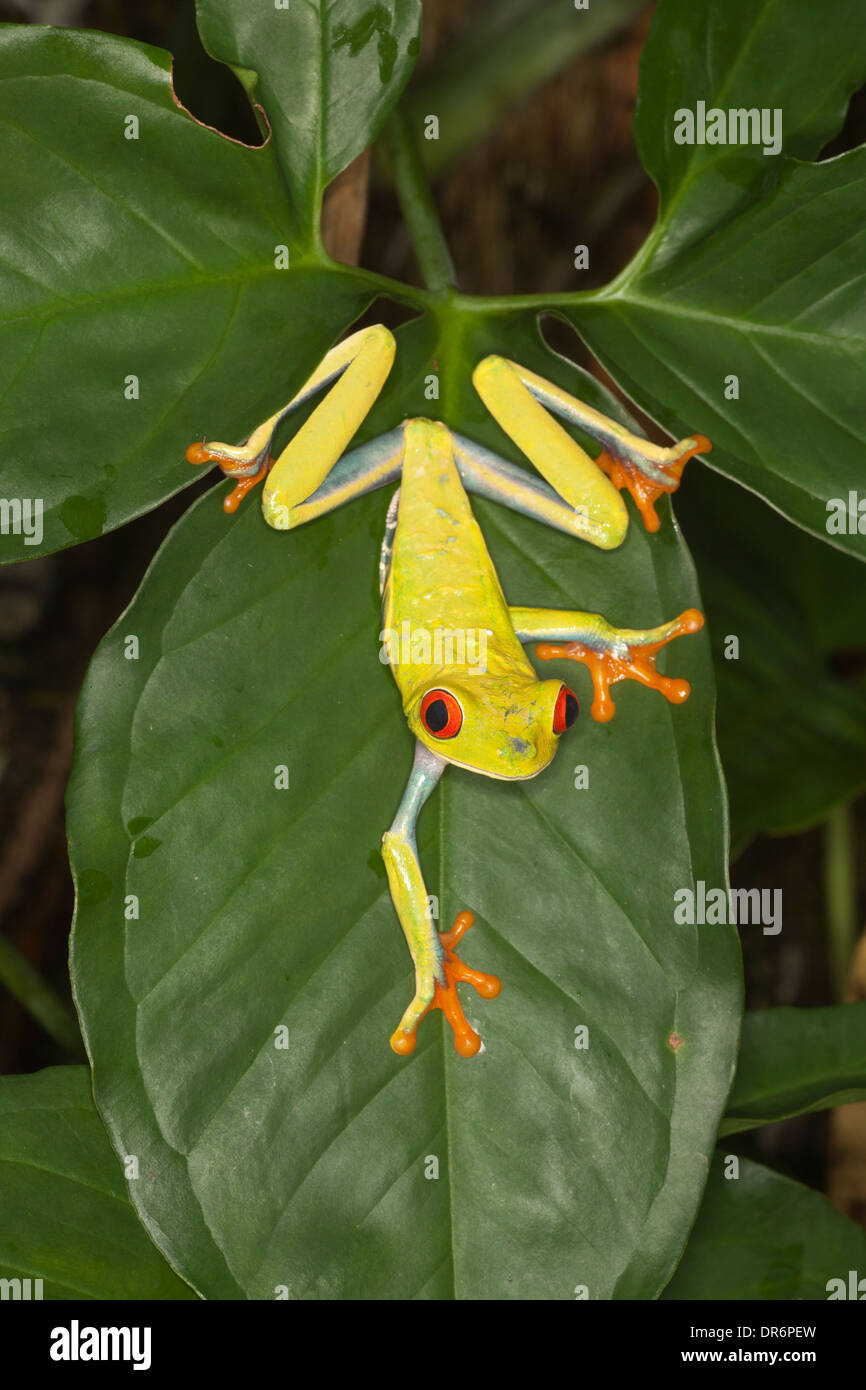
(441,575)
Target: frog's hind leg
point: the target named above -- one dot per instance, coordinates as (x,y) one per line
(487,475)
(611,654)
(370,466)
(438,970)
(363,361)
(520,401)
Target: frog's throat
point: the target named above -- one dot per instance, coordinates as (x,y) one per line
(495,776)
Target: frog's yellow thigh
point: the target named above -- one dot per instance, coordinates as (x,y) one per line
(372,465)
(646,470)
(487,475)
(559,458)
(364,360)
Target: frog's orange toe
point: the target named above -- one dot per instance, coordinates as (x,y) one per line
(462,922)
(676,692)
(466,1040)
(403,1043)
(240,490)
(199,453)
(692,620)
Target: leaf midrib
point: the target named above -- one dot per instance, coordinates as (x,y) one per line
(244,273)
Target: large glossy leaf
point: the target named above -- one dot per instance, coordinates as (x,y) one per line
(760,1236)
(152,258)
(304,1168)
(792,731)
(754,268)
(326,76)
(212,908)
(65,1217)
(780,53)
(793,1061)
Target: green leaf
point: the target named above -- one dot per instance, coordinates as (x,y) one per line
(753,268)
(780,53)
(65,1216)
(792,733)
(149,258)
(762,1237)
(326,76)
(305,1168)
(794,1061)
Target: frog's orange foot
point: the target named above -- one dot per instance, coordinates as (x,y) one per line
(240,489)
(466,1040)
(646,489)
(627,656)
(199,453)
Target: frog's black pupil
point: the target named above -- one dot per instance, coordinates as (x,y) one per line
(436,716)
(572,709)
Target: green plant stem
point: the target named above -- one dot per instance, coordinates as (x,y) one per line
(421,299)
(39,998)
(419,209)
(840,892)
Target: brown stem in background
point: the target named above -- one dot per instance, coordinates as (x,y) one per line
(38,814)
(344,212)
(22,854)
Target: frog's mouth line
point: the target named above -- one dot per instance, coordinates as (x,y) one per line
(497,776)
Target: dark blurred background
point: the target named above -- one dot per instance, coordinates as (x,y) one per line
(547,161)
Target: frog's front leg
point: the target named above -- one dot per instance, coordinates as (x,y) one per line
(437,968)
(611,654)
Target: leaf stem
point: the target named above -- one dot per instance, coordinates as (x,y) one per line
(840,893)
(418,298)
(39,998)
(419,209)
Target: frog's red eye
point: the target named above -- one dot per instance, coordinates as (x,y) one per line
(441,715)
(565,711)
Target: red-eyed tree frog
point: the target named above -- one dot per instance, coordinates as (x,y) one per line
(471,697)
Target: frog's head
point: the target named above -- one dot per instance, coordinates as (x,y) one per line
(493,726)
